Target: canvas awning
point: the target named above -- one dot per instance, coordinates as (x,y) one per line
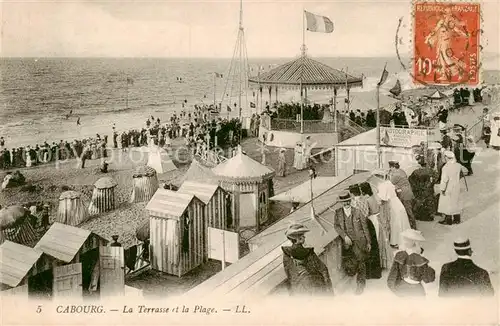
(307,72)
(302,192)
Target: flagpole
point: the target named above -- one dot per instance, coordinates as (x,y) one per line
(347,91)
(382,80)
(379,165)
(303,32)
(126,99)
(214,88)
(301,68)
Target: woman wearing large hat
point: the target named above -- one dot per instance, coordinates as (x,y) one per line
(306,273)
(410,268)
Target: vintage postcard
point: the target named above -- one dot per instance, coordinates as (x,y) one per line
(248,162)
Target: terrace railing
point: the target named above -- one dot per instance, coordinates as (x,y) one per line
(310,126)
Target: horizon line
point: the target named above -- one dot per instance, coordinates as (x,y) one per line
(187,57)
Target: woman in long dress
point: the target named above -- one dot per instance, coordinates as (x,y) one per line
(282,163)
(298,161)
(422,182)
(382,223)
(391,207)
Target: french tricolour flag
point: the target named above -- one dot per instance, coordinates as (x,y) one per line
(316,23)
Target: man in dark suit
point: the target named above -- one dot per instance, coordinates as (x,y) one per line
(462,277)
(352,227)
(403,189)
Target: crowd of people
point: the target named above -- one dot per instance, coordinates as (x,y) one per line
(377,228)
(87,148)
(197,128)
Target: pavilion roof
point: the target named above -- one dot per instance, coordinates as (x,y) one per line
(309,73)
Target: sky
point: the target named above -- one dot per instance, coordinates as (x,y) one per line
(209,28)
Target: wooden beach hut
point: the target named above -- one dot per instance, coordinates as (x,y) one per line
(249,183)
(177,232)
(103,197)
(16,227)
(215,199)
(76,252)
(72,210)
(145,184)
(19,266)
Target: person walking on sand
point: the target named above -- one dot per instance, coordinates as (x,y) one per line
(78,121)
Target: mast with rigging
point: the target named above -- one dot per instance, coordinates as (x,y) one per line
(237,76)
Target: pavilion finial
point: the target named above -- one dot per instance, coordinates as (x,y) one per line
(303,50)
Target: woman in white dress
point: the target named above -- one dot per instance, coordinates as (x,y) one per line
(28,157)
(298,161)
(391,206)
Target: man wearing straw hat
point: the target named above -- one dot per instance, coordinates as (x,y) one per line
(449,199)
(306,273)
(462,277)
(352,226)
(410,268)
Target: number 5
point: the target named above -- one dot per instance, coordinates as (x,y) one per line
(39,309)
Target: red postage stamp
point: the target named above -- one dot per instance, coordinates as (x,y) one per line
(446,43)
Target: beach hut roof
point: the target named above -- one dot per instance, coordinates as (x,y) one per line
(15,262)
(105,183)
(144,171)
(70,194)
(242,168)
(199,172)
(168,203)
(306,72)
(201,190)
(62,241)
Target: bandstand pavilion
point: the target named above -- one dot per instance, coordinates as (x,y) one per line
(303,73)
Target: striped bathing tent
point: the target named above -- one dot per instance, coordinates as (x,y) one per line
(103,197)
(15,226)
(72,210)
(145,184)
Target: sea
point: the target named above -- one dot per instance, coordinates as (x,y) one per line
(41,99)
